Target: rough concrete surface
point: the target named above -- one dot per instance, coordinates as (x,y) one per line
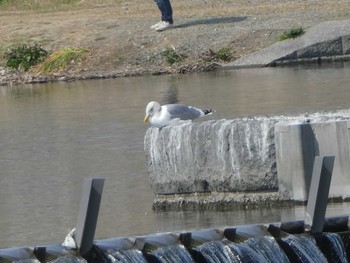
(224,156)
(244,162)
(296,148)
(323,41)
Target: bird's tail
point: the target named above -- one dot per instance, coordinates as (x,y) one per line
(208,112)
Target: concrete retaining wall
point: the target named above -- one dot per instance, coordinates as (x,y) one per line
(245,155)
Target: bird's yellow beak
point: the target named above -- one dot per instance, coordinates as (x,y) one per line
(146,118)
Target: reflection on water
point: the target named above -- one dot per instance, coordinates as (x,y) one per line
(171,95)
(52,136)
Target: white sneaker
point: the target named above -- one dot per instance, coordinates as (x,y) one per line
(156,25)
(163,26)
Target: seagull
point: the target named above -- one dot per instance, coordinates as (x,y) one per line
(169,114)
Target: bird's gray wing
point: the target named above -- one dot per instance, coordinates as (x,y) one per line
(182,112)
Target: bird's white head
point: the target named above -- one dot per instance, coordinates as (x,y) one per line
(152,108)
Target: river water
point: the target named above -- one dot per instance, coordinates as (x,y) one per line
(52,136)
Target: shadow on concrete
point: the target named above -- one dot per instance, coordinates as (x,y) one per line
(310,149)
(211,21)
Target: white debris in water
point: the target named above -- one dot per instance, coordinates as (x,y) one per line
(69,241)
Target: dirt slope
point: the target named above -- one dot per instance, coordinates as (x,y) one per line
(123,44)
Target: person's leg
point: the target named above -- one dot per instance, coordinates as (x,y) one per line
(166,10)
(160,7)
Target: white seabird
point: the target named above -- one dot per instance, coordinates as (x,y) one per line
(170,114)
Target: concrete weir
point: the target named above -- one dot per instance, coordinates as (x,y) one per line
(224,155)
(317,238)
(245,162)
(275,242)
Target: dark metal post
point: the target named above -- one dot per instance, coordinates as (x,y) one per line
(318,194)
(88,213)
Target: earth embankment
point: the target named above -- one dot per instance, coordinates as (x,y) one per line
(121,42)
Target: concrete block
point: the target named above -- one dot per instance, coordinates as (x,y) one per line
(333,139)
(296,147)
(239,155)
(225,155)
(295,152)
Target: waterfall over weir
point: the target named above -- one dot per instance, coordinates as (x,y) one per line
(273,243)
(317,239)
(222,156)
(242,244)
(222,164)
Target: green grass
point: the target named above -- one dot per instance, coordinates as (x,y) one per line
(224,54)
(172,56)
(293,33)
(61,59)
(49,5)
(35,5)
(4,2)
(22,57)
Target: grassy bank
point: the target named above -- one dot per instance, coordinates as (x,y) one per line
(49,5)
(118,37)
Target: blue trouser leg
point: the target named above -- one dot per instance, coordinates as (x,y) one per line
(166,10)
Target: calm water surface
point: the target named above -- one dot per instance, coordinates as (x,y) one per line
(52,136)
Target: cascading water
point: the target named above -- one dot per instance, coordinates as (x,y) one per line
(262,155)
(336,249)
(261,249)
(245,244)
(265,247)
(130,256)
(214,252)
(246,254)
(176,253)
(212,156)
(303,248)
(332,246)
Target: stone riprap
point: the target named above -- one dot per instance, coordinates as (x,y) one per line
(224,155)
